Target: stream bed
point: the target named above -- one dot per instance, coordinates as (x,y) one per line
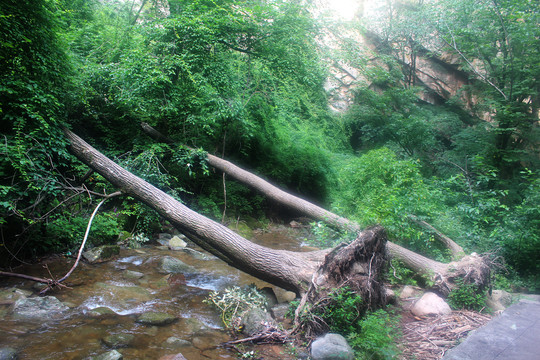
(105,299)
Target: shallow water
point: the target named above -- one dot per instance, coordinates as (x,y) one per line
(79,333)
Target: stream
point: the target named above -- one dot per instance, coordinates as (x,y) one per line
(129,285)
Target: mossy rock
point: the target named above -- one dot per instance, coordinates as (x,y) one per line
(156,318)
(116,341)
(101,253)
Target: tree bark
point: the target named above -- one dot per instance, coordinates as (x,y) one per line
(473,267)
(287,269)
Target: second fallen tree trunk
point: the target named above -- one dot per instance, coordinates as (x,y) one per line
(471,268)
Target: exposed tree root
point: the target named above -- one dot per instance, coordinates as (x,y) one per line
(359,267)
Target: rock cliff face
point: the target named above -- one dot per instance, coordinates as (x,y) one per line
(440,76)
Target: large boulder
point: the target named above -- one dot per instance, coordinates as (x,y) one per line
(430,304)
(171,265)
(101,253)
(39,308)
(331,347)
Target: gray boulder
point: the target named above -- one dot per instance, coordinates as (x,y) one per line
(156,318)
(8,353)
(171,265)
(256,320)
(331,347)
(111,355)
(40,308)
(430,304)
(176,243)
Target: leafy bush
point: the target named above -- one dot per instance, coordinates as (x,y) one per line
(377,338)
(234,301)
(342,311)
(467,296)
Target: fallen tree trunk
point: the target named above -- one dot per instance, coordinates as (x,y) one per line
(473,268)
(287,269)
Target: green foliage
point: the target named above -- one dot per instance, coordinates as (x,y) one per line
(234,301)
(378,187)
(66,232)
(467,296)
(378,336)
(399,274)
(343,310)
(324,236)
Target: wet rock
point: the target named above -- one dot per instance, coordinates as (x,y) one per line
(38,308)
(8,353)
(156,318)
(173,357)
(499,300)
(430,304)
(171,265)
(174,342)
(176,243)
(132,275)
(117,341)
(101,253)
(9,296)
(256,320)
(111,355)
(198,255)
(100,311)
(123,297)
(331,347)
